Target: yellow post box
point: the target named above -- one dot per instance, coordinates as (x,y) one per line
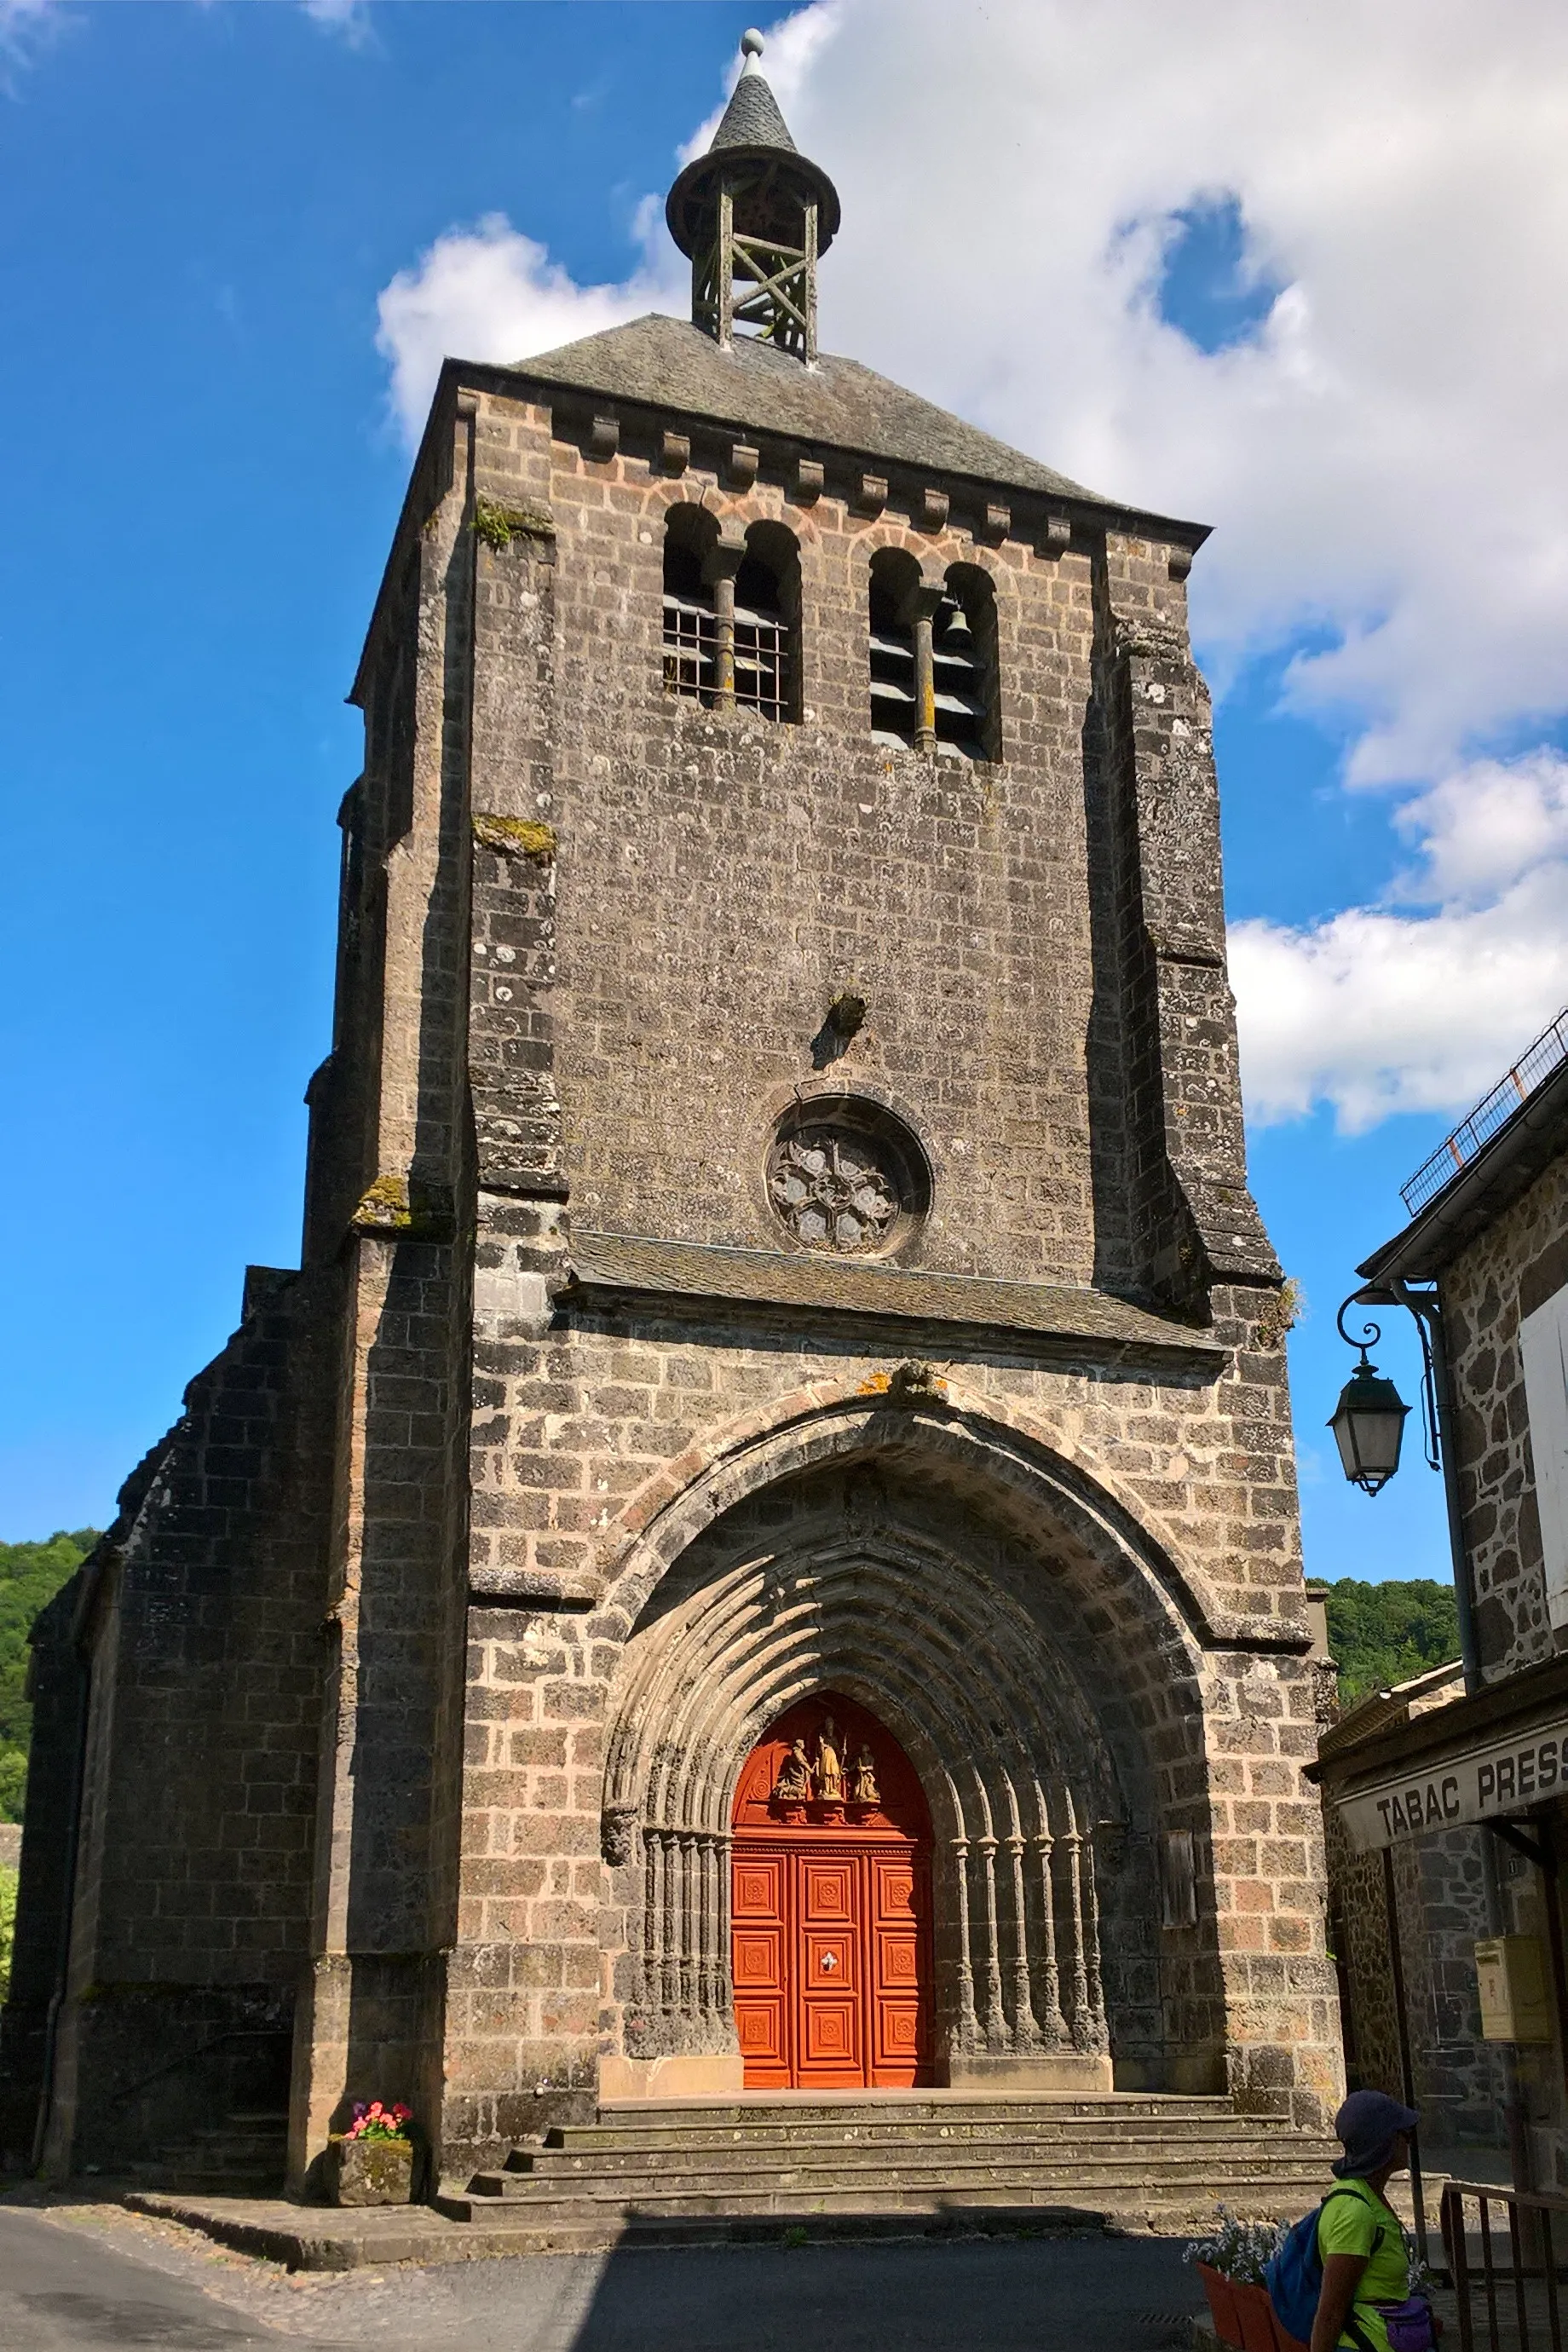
(1516,2002)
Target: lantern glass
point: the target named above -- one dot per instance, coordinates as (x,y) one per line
(1369,1428)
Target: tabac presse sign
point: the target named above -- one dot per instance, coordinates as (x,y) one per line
(1506,1777)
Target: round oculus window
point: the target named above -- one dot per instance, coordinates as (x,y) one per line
(843,1176)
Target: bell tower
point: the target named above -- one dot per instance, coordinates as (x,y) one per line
(779,1273)
(753,216)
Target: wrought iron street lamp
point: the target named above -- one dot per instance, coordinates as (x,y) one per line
(1368,1421)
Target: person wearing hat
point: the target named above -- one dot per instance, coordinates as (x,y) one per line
(1360,2236)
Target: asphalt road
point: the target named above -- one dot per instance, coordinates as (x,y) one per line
(61,2290)
(86,2285)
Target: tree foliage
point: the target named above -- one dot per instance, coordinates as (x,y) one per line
(30,1575)
(1380,1634)
(8,1878)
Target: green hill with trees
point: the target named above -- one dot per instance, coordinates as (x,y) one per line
(1379,1633)
(1385,1633)
(30,1574)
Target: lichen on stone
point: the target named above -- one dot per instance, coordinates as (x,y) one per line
(515,836)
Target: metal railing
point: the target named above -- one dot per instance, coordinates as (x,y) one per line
(1513,2305)
(1457,1150)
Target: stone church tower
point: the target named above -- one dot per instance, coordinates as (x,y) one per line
(758,1548)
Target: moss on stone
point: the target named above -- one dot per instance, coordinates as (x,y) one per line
(515,836)
(498,525)
(401,1205)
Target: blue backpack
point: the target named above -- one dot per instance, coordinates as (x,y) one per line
(1295,2277)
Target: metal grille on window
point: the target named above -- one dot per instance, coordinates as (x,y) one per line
(762,661)
(690,636)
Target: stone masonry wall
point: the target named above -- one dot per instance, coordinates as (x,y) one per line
(55,1686)
(1522,1256)
(573,1418)
(205,1649)
(718,878)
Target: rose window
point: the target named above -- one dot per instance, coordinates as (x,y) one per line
(846,1185)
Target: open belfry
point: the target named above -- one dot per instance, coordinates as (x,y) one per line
(757,1557)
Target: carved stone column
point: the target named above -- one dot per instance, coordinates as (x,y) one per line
(968,2023)
(722,561)
(1053,2024)
(1025,2033)
(921,606)
(995,2016)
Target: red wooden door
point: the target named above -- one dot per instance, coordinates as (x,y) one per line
(900,1915)
(831,1907)
(829,1971)
(759,1926)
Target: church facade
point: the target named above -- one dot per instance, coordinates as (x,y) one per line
(758,1549)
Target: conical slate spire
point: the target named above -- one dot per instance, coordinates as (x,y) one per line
(753,214)
(753,119)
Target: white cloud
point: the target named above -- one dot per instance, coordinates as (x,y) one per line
(1383,462)
(348,18)
(24,26)
(1377,1010)
(488,293)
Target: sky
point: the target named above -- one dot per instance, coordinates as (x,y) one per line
(1299,273)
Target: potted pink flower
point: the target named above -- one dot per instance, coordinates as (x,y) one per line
(372,2163)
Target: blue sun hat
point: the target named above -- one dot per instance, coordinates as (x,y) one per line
(1368,2124)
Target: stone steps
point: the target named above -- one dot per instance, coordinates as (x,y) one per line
(760,2108)
(1100,2187)
(248,2154)
(532,2176)
(913,2161)
(574,2142)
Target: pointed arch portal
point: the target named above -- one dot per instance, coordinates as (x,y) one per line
(831,1905)
(1040,1690)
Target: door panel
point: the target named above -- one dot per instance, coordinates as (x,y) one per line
(897,1988)
(830,1904)
(830,1978)
(758,1948)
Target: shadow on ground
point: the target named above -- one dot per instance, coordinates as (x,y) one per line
(85,2280)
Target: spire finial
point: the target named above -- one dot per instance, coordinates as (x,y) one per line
(752,47)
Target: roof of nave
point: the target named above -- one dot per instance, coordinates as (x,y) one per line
(670,363)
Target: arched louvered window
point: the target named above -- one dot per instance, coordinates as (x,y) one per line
(691,620)
(933,657)
(732,614)
(767,617)
(895,710)
(963,659)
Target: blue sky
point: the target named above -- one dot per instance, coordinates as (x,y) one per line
(203,206)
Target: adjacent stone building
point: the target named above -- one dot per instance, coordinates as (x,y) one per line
(760,1545)
(1447,1822)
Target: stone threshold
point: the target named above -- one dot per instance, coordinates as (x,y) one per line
(972,2094)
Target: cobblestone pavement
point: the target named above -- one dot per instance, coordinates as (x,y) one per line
(79,2278)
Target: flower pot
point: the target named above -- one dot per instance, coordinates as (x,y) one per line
(1221,2292)
(371,2171)
(1256,2314)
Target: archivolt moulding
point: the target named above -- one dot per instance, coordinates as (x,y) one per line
(991,1450)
